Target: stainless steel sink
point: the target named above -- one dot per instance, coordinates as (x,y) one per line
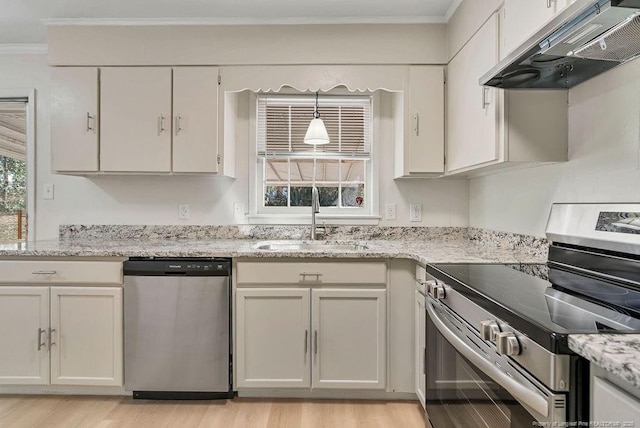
(308,246)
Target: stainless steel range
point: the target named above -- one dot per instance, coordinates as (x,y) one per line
(497,352)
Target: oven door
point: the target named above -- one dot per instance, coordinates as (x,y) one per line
(469,385)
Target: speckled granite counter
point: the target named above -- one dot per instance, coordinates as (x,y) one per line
(436,251)
(616,353)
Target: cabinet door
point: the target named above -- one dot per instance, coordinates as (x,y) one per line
(349,338)
(272,337)
(86,346)
(611,403)
(195,115)
(522,18)
(423,151)
(74,119)
(135,125)
(473,110)
(420,346)
(24,323)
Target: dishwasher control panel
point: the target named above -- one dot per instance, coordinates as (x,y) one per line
(177,266)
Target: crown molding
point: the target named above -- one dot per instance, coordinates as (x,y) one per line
(248,21)
(452,9)
(23,48)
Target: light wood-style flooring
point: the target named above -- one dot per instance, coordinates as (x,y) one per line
(18,411)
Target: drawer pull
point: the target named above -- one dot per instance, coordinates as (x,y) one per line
(44,272)
(304,279)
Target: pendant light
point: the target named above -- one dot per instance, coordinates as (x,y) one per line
(317,133)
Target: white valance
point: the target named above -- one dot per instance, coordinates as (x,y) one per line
(312,78)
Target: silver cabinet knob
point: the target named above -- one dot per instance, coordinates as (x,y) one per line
(507,344)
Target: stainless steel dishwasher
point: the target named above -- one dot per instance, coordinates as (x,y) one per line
(177,328)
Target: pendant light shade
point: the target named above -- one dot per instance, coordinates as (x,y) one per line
(317,133)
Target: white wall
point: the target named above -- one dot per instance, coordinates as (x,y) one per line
(154,199)
(604,160)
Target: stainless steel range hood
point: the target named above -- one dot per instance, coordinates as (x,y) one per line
(586,39)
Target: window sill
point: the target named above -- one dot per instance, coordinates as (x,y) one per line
(294,219)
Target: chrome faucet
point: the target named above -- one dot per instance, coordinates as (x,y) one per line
(315,209)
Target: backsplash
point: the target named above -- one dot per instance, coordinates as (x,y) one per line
(259,232)
(534,246)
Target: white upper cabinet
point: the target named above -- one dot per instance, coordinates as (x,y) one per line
(421,151)
(74,119)
(135,113)
(489,128)
(147,120)
(472,110)
(522,18)
(195,114)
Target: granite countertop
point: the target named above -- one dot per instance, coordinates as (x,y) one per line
(616,353)
(456,251)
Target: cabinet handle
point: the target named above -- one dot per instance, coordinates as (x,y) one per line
(161,124)
(304,276)
(485,103)
(89,117)
(178,123)
(44,272)
(51,331)
(315,342)
(549,3)
(40,342)
(416,124)
(306,342)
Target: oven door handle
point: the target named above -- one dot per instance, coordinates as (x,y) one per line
(520,392)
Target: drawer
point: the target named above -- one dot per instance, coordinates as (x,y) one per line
(60,272)
(311,273)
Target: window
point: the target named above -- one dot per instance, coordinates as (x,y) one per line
(288,168)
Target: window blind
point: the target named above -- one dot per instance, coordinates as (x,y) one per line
(282,123)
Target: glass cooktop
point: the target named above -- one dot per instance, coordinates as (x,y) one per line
(532,304)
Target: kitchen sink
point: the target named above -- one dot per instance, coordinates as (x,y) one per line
(308,246)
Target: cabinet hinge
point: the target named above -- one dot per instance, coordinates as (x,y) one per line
(219,159)
(219,79)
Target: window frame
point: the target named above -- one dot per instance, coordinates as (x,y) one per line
(258,214)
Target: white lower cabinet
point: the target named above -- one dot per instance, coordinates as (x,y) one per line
(24,323)
(420,347)
(272,337)
(61,335)
(614,401)
(302,337)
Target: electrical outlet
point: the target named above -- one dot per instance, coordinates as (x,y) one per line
(48,191)
(238,211)
(390,212)
(415,212)
(183,211)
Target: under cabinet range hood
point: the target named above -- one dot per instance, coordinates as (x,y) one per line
(586,39)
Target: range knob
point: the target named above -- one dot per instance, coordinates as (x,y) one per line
(436,292)
(489,330)
(507,344)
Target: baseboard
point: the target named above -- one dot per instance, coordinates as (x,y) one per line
(327,394)
(63,390)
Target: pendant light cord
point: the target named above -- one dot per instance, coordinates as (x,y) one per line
(316,113)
